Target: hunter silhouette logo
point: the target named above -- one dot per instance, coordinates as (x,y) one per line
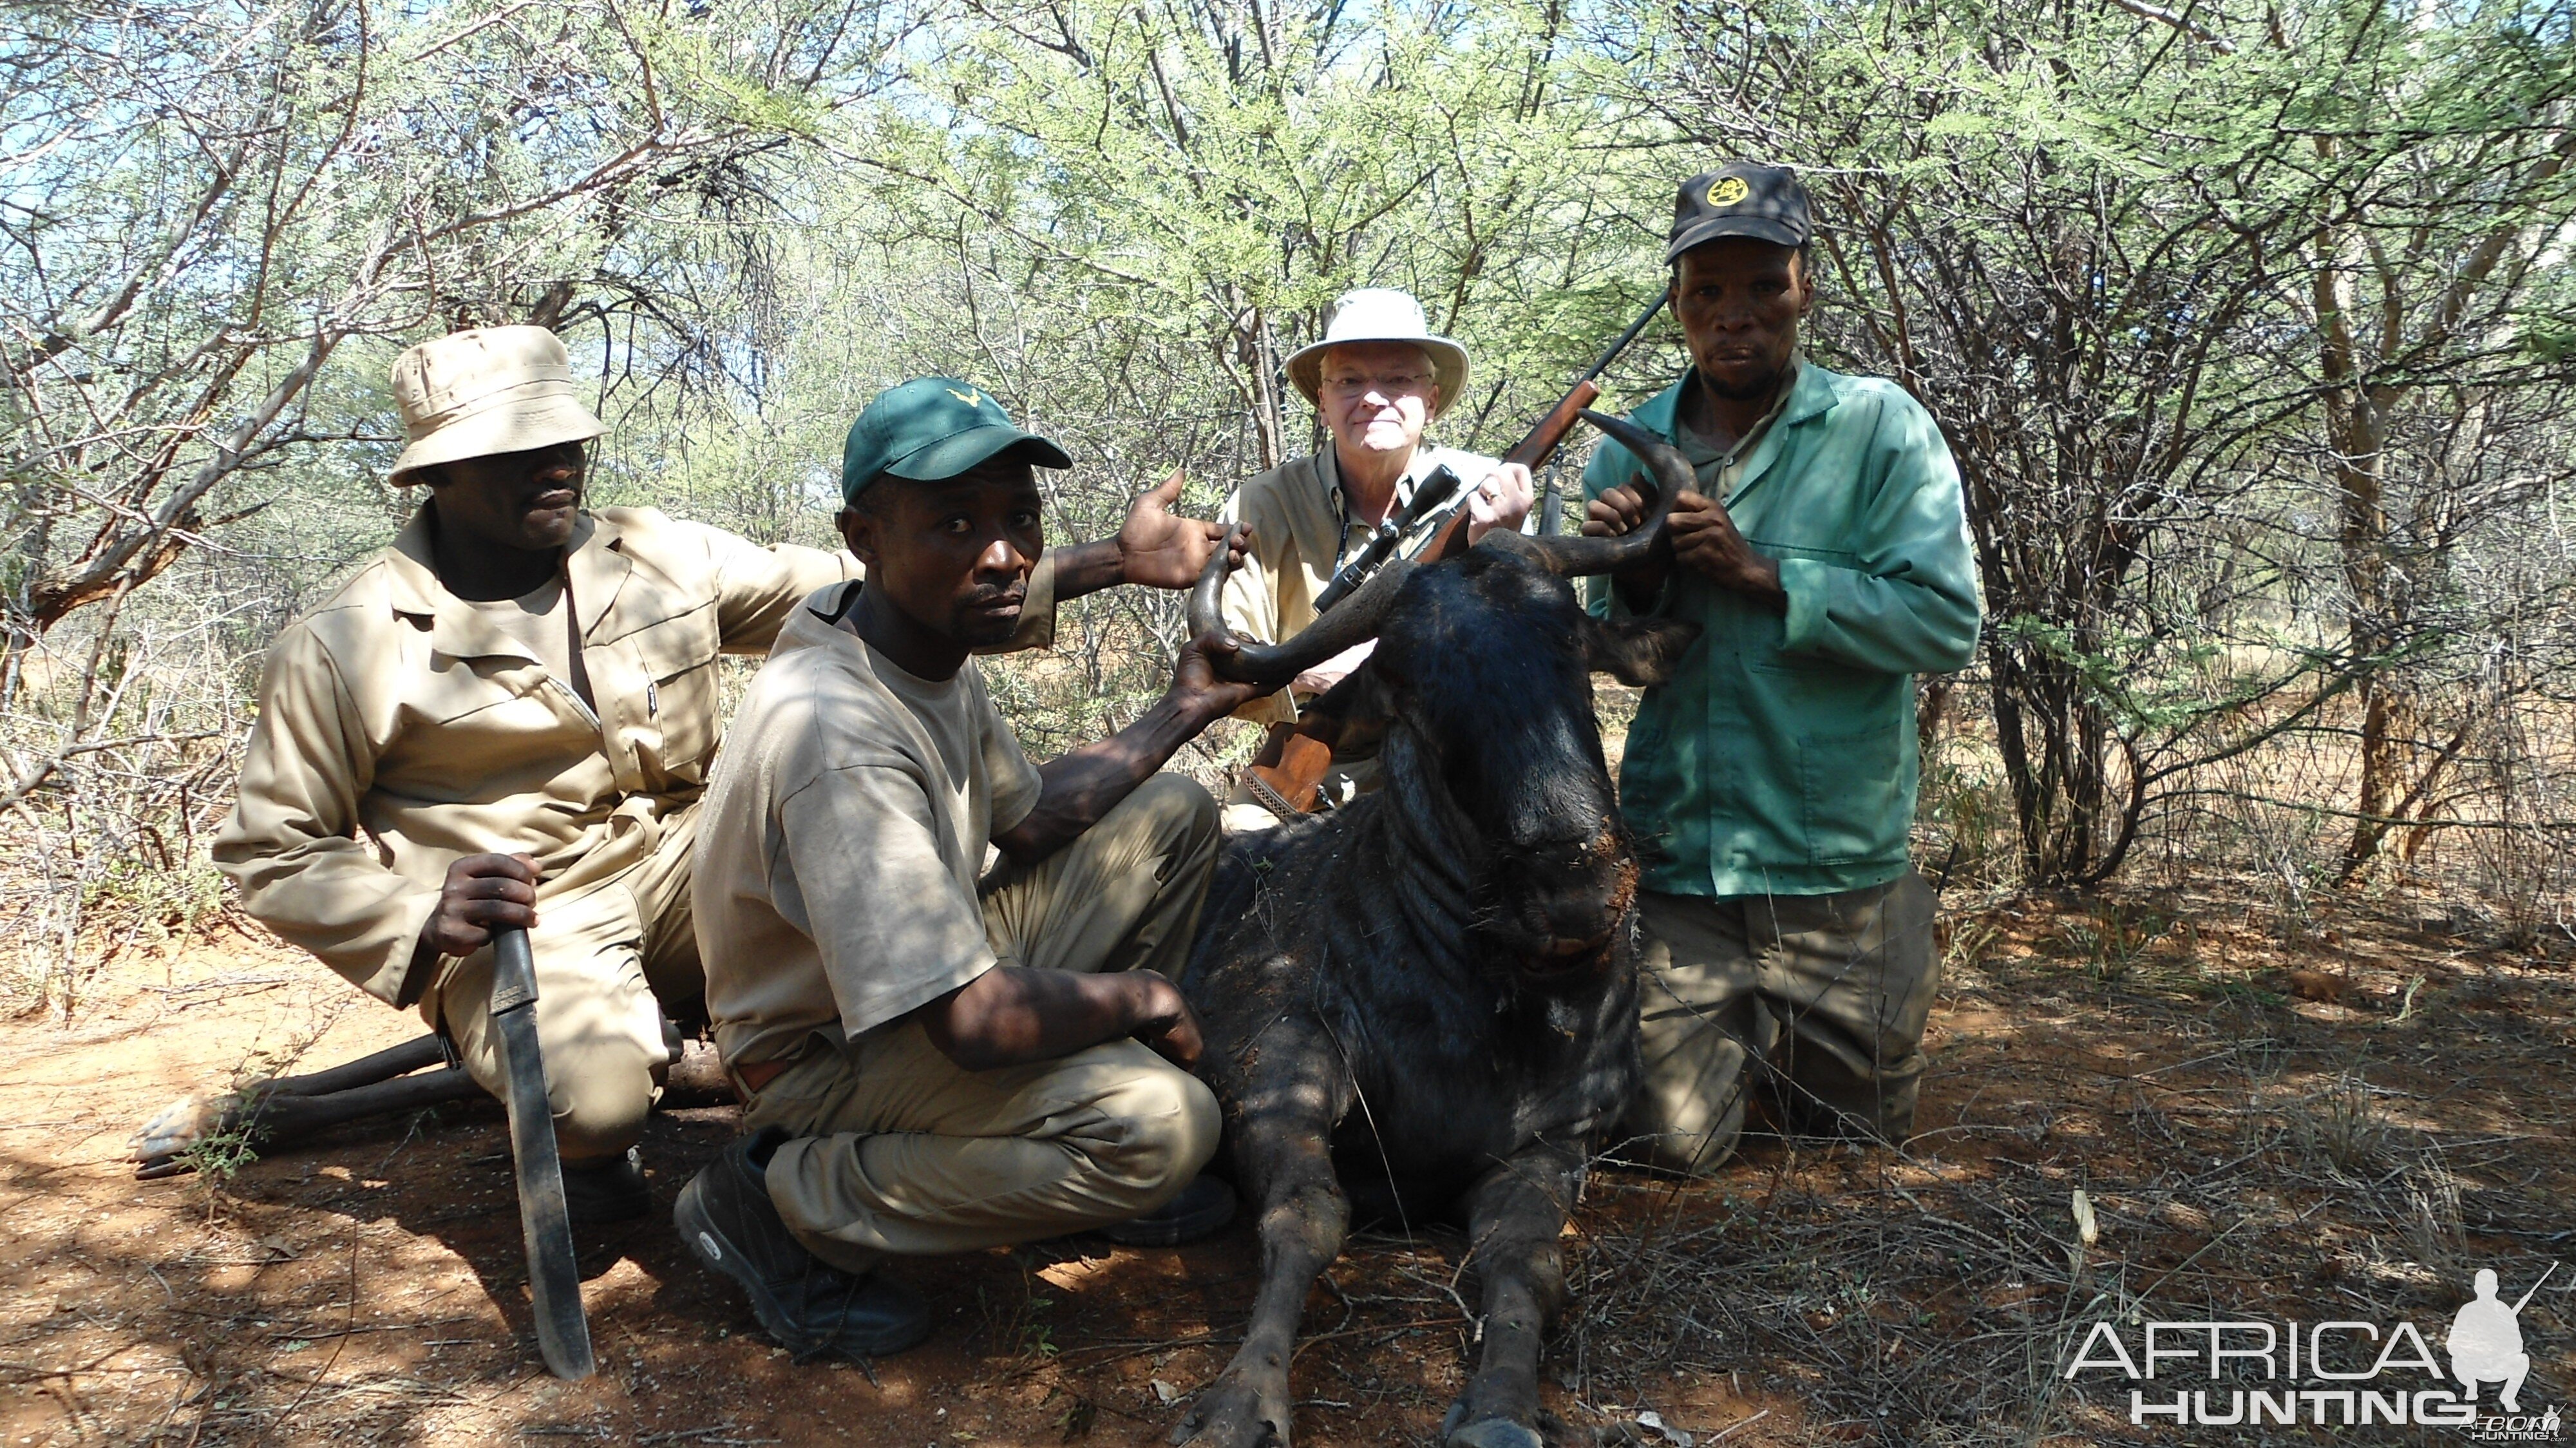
(1727,191)
(970,396)
(2486,1342)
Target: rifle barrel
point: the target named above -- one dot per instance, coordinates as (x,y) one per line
(2535,1287)
(1626,337)
(1533,449)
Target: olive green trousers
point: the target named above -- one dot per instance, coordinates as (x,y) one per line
(1817,1002)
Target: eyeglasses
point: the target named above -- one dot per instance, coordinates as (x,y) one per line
(1394,384)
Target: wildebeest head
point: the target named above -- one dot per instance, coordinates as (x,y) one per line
(1481,677)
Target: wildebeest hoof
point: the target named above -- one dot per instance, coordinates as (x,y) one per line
(160,1148)
(1231,1415)
(1486,1432)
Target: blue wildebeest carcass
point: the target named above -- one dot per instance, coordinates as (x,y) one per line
(1426,1001)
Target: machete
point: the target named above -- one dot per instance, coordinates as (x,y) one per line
(554,1278)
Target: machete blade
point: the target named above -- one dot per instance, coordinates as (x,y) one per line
(554,1278)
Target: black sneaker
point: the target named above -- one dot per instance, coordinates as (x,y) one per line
(1203,1206)
(810,1306)
(606,1191)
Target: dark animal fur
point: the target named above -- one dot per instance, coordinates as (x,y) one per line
(1427,1001)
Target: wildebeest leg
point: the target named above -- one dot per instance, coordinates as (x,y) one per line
(1515,1216)
(265,1112)
(1282,1153)
(367,1070)
(183,1124)
(372,1085)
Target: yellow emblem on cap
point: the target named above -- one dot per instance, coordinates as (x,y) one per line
(970,396)
(1727,191)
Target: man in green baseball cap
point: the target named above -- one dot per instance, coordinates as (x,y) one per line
(934,1059)
(510,711)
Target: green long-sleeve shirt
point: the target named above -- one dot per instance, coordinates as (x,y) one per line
(1780,757)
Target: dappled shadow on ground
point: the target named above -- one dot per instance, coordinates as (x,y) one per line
(2348,1125)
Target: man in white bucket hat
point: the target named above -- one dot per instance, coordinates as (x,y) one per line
(1378,378)
(517,704)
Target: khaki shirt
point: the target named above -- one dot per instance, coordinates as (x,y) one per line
(397,709)
(1302,533)
(838,850)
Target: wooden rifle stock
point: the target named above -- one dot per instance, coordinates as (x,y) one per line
(1295,760)
(1533,450)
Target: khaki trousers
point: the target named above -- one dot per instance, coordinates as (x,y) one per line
(899,1150)
(1820,999)
(607,957)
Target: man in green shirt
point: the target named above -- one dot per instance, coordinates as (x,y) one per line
(1771,780)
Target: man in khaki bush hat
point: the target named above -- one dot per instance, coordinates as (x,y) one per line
(517,703)
(1378,377)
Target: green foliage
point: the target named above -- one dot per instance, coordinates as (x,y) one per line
(2249,329)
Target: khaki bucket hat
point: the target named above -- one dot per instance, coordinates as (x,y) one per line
(489,390)
(1381,314)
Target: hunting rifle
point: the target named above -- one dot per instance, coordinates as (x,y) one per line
(1292,764)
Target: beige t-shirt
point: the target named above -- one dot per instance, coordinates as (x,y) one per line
(841,839)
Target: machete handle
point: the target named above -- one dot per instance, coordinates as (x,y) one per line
(514,970)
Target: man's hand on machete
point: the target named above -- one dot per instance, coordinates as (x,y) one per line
(483,893)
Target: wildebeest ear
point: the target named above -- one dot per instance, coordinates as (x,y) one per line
(1636,651)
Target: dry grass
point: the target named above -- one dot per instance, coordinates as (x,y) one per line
(2246,1152)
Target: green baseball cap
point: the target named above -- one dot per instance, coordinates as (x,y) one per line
(931,428)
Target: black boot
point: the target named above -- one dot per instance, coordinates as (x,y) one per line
(608,1190)
(810,1306)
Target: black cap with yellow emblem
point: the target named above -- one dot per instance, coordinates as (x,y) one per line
(1740,198)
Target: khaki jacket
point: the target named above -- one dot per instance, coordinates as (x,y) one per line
(392,708)
(1301,536)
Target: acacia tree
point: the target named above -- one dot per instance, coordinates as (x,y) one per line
(222,221)
(1210,175)
(1123,219)
(210,199)
(2089,241)
(2439,155)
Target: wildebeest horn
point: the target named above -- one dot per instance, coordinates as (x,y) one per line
(1354,619)
(1569,556)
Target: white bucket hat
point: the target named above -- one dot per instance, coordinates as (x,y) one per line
(489,390)
(1381,314)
